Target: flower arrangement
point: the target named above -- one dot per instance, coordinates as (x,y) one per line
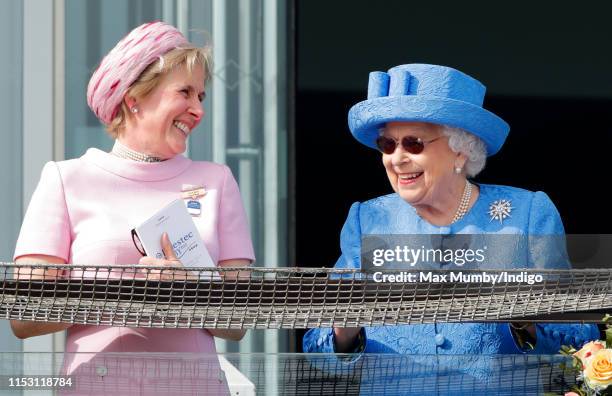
(593,365)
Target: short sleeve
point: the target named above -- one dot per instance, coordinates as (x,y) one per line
(46,226)
(234,235)
(547,247)
(350,240)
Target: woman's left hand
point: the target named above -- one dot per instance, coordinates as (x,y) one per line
(170,260)
(232,334)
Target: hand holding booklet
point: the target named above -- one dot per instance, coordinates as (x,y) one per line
(186,241)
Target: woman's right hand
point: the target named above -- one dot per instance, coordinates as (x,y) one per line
(23,328)
(345,338)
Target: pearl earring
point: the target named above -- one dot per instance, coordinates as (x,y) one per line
(458,170)
(134,109)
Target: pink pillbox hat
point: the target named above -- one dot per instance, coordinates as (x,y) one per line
(124,63)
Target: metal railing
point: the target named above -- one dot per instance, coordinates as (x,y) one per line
(272,298)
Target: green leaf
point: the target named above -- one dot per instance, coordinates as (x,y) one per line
(609,337)
(577,389)
(567,350)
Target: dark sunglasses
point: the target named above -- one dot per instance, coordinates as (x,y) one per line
(411,144)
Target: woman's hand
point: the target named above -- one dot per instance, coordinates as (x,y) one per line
(231,334)
(25,329)
(170,261)
(345,338)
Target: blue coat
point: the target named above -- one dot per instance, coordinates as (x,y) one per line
(531,214)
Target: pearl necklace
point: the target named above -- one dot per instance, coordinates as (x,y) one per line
(121,151)
(465,202)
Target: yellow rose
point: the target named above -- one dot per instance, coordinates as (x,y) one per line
(588,350)
(598,372)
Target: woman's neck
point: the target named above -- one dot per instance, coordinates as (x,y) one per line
(451,208)
(123,149)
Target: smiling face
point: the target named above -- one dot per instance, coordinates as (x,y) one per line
(167,115)
(426,179)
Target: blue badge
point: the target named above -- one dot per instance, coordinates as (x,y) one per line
(194,207)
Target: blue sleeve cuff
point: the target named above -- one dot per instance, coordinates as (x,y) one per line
(323,340)
(509,344)
(318,340)
(551,336)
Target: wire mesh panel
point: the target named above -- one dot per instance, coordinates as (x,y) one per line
(298,374)
(115,373)
(392,374)
(141,296)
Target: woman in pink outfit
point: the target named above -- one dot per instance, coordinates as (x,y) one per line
(148,91)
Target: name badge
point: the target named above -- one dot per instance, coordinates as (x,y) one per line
(192,194)
(194,207)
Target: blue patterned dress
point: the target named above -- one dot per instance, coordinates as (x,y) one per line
(531,214)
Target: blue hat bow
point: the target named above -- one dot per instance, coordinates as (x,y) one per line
(426,93)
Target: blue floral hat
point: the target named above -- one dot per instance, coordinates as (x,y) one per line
(426,93)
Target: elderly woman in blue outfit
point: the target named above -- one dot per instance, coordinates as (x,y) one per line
(434,135)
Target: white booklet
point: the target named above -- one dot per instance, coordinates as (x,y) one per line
(184,236)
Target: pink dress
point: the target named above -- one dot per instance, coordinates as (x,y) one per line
(83,211)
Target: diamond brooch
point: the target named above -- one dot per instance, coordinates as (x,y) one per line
(499,210)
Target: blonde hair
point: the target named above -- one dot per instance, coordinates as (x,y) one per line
(152,74)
